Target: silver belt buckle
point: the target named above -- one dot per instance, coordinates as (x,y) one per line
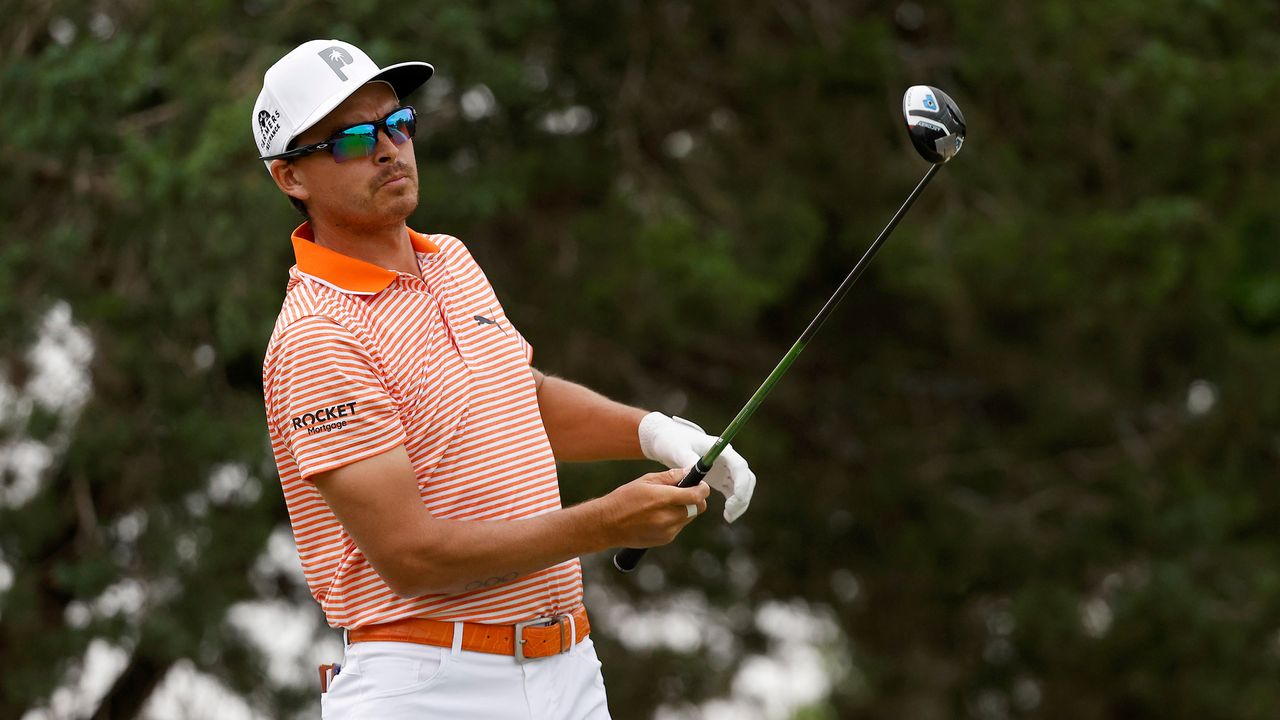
(560,620)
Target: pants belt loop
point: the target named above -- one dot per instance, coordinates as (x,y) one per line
(345,642)
(573,631)
(457,637)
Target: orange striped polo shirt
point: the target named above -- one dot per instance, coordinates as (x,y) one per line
(363,359)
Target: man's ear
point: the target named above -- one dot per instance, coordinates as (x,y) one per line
(289,180)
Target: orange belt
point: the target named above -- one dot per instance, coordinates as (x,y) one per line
(538,638)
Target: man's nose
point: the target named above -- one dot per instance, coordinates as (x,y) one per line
(385,151)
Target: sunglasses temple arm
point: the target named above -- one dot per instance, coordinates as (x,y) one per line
(298,152)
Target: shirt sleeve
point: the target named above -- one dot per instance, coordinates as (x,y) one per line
(525,346)
(326,399)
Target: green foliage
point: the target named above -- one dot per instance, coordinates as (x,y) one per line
(993,436)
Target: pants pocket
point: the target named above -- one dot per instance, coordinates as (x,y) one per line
(391,669)
(378,678)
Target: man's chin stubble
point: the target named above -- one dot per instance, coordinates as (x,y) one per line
(398,202)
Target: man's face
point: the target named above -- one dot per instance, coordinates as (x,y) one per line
(370,191)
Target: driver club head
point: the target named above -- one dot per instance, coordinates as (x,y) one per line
(934,121)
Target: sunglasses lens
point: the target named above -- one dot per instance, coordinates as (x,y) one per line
(401,125)
(354,143)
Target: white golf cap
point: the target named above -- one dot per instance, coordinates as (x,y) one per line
(313,79)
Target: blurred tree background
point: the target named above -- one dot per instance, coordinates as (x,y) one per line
(1027,471)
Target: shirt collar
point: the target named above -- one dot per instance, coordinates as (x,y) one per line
(344,272)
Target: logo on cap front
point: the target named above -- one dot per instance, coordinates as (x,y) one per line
(336,58)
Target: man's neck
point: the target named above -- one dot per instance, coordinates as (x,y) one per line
(386,246)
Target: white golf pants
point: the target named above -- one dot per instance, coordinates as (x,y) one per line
(407,681)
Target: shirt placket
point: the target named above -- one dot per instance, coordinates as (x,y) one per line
(436,280)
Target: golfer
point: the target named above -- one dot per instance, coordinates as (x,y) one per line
(416,443)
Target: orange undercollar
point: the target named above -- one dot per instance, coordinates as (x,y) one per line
(343,271)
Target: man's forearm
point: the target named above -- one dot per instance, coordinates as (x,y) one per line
(454,556)
(585,425)
(427,555)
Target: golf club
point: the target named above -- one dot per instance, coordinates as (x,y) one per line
(937,131)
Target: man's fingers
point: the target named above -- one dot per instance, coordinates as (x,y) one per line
(700,492)
(686,457)
(744,481)
(727,469)
(698,504)
(669,477)
(736,481)
(733,460)
(684,496)
(746,489)
(689,499)
(693,510)
(735,506)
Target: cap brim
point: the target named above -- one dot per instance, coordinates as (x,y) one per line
(404,78)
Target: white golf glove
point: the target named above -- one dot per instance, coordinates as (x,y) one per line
(678,443)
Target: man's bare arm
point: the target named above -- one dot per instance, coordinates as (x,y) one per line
(585,425)
(378,503)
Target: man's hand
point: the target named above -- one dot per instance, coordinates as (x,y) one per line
(378,502)
(650,510)
(678,443)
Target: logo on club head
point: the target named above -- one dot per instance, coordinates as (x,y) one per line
(336,58)
(923,122)
(930,103)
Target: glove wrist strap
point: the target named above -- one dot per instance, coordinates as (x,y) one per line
(650,426)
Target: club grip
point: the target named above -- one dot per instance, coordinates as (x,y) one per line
(627,559)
